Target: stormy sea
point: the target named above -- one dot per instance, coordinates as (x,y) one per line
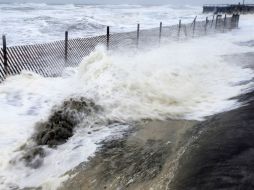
(179,116)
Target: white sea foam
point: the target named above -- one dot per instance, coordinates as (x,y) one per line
(179,80)
(23,104)
(33,23)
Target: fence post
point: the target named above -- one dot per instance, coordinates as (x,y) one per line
(5,53)
(107,37)
(237,20)
(160,32)
(179,28)
(138,30)
(232,22)
(206,23)
(66,47)
(194,26)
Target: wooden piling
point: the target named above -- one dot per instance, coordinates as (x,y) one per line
(206,24)
(225,22)
(232,21)
(237,20)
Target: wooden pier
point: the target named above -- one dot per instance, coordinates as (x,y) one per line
(229,8)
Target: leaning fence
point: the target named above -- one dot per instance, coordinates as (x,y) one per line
(50,59)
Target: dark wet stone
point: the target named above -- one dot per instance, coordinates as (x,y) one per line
(34,157)
(60,125)
(55,135)
(57,129)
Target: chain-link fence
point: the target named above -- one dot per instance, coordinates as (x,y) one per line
(50,59)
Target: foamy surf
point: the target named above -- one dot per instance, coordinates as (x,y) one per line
(37,20)
(182,81)
(186,80)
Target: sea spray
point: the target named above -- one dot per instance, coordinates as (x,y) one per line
(174,81)
(27,99)
(58,128)
(37,23)
(179,80)
(69,136)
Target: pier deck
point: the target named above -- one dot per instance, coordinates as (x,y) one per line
(229,8)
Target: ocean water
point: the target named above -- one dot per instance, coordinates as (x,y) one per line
(180,80)
(37,23)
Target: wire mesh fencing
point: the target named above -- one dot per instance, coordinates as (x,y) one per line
(50,59)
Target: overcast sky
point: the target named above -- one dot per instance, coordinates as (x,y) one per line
(189,2)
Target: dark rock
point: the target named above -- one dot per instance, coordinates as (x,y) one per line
(34,157)
(59,127)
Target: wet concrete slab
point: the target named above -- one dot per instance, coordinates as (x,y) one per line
(143,159)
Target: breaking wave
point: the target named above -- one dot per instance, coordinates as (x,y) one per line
(183,80)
